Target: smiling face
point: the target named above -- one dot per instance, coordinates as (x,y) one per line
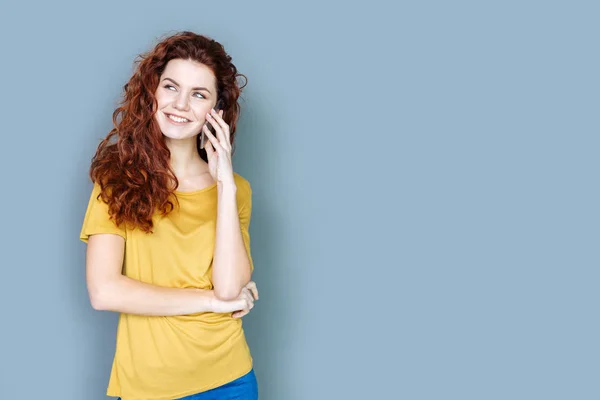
(185,94)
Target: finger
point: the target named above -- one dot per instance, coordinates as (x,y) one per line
(249,302)
(252,287)
(210,152)
(240,314)
(254,291)
(220,127)
(218,118)
(244,304)
(213,140)
(209,148)
(248,296)
(244,297)
(211,117)
(227,132)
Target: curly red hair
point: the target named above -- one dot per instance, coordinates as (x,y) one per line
(133,171)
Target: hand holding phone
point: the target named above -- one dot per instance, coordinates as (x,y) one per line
(203,138)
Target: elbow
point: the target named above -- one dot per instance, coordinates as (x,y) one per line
(230,289)
(99,298)
(103,294)
(97,302)
(227,293)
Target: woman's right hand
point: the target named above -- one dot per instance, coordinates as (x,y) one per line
(242,304)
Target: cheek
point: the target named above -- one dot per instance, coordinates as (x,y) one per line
(161,100)
(200,112)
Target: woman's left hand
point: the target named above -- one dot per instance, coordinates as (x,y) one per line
(218,149)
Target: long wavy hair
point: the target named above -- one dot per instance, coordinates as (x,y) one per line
(131,164)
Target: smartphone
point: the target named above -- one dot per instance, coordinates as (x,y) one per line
(203,137)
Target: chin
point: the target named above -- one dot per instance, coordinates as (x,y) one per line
(175,132)
(178,135)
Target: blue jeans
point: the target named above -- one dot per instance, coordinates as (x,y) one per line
(243,388)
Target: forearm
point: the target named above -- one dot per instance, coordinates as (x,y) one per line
(125,295)
(231,264)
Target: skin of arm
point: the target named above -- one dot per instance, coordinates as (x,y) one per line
(231,263)
(110,290)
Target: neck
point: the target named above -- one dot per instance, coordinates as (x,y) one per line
(185,159)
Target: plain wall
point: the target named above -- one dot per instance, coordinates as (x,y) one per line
(425,179)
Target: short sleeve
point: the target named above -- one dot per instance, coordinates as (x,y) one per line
(245,212)
(97,219)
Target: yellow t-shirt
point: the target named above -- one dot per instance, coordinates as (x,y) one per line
(160,358)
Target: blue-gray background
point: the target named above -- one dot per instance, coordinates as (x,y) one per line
(425,181)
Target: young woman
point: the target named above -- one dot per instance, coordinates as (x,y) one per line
(167,229)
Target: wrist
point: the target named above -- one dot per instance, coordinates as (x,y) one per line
(227,187)
(207,300)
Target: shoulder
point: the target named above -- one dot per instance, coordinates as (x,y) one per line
(244,192)
(243,185)
(98,192)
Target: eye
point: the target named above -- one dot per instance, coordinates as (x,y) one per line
(200,94)
(169,86)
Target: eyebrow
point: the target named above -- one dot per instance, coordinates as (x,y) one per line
(196,88)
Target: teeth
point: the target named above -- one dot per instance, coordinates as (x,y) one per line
(177,119)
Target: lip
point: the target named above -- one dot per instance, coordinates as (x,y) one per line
(175,122)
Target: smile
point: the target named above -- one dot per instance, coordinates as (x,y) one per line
(178,120)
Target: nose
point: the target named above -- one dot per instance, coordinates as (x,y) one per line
(181,102)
